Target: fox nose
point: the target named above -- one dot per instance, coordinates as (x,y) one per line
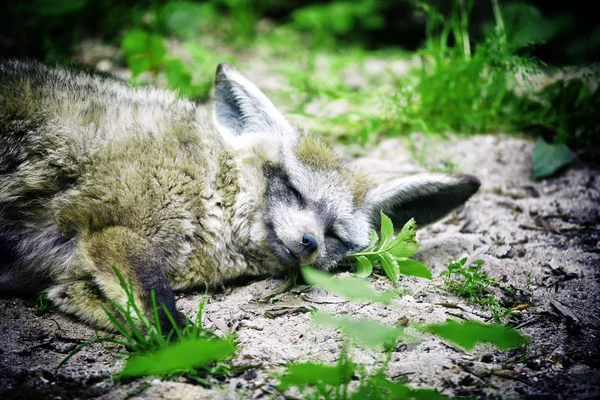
(309,243)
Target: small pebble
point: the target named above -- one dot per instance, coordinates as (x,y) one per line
(533,210)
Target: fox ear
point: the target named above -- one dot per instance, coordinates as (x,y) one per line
(242,109)
(423,196)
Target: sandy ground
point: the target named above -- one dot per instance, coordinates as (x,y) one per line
(545,233)
(540,238)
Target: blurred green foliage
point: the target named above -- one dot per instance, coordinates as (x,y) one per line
(146,52)
(565,33)
(329,22)
(467,334)
(322,381)
(196,354)
(478,59)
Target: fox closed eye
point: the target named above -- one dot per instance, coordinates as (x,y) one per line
(331,234)
(299,198)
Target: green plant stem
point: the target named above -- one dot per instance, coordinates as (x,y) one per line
(367,253)
(499,23)
(464,30)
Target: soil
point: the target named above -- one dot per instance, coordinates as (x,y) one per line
(540,238)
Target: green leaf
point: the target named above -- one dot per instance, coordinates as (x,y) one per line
(350,288)
(156,50)
(365,331)
(373,238)
(184,355)
(468,334)
(549,158)
(405,244)
(144,51)
(178,75)
(304,374)
(390,266)
(414,268)
(387,231)
(364,268)
(134,43)
(377,387)
(137,65)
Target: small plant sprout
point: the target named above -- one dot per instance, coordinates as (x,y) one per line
(320,381)
(473,284)
(43,304)
(530,281)
(389,253)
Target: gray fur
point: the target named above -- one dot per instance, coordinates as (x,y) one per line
(96,173)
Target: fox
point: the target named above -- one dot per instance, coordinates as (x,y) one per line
(96,172)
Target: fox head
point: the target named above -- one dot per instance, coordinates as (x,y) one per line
(315,210)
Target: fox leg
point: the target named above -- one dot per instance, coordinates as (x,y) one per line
(83,299)
(91,283)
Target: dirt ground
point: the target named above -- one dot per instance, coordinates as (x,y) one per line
(541,238)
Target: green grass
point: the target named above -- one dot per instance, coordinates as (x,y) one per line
(460,85)
(473,284)
(43,304)
(323,381)
(191,351)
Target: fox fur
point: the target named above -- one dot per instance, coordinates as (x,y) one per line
(95,173)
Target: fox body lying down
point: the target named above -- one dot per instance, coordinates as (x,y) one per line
(96,173)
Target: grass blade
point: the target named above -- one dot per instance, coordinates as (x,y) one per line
(119,326)
(173,323)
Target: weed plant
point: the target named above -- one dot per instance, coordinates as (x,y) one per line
(466,87)
(150,351)
(390,254)
(474,285)
(463,85)
(43,304)
(347,380)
